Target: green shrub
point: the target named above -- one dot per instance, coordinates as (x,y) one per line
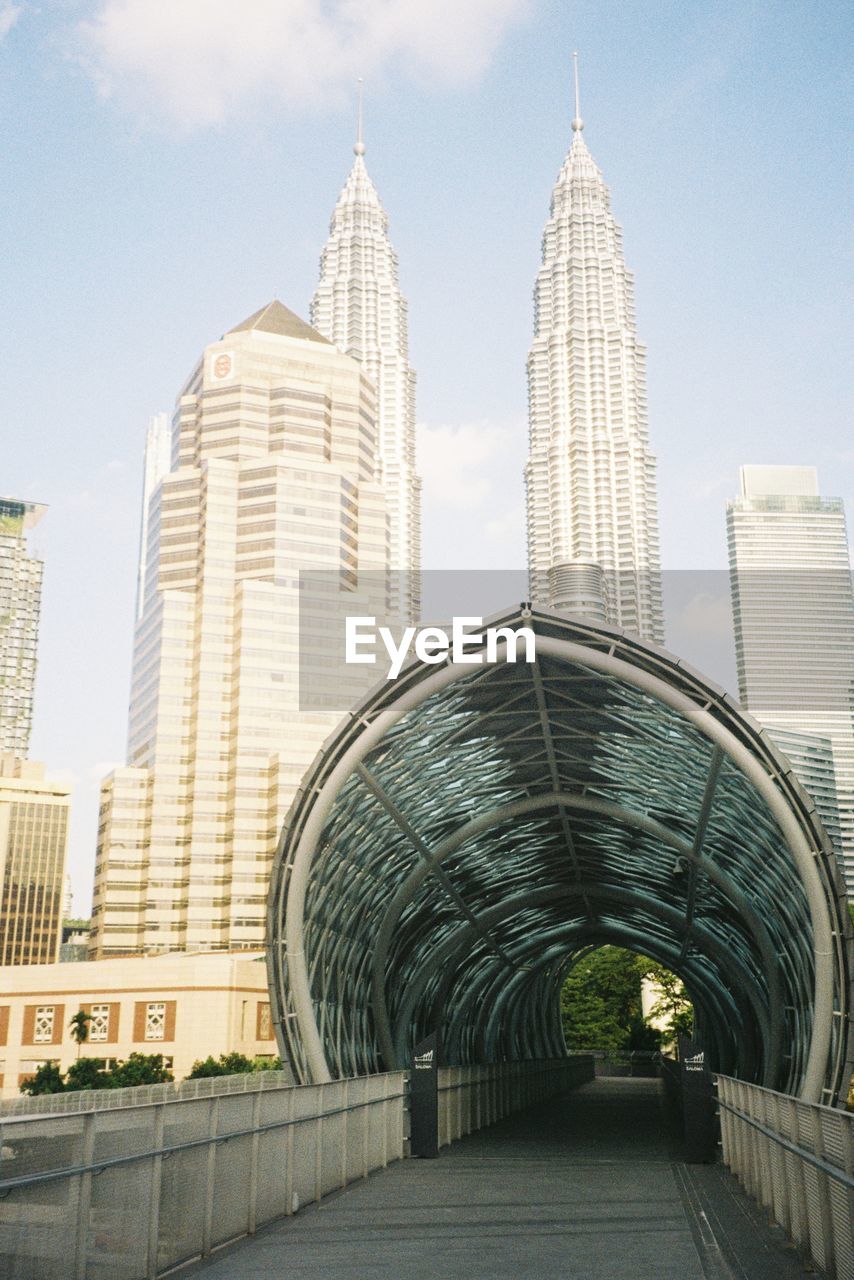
(87,1073)
(140,1068)
(232,1064)
(47,1079)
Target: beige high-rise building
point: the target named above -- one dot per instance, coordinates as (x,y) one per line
(274,475)
(33,842)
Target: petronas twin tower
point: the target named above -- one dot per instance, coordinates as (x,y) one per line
(358,306)
(592,522)
(592,517)
(591,497)
(286,487)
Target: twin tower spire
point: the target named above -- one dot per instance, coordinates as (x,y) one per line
(592,521)
(358,305)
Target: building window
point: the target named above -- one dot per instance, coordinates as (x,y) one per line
(155,1021)
(43,1031)
(99,1026)
(263,1023)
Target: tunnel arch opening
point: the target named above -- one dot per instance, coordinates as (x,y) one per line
(466,830)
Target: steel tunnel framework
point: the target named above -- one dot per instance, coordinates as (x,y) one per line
(468,831)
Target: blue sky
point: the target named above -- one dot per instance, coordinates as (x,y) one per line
(168,169)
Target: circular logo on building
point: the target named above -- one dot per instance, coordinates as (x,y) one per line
(222,366)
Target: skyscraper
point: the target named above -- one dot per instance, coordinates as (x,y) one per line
(793,609)
(358,305)
(33,840)
(273,473)
(590,478)
(20,605)
(156,464)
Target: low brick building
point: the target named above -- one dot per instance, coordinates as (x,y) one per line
(184,1006)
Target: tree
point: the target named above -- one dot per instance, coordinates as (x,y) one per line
(79,1026)
(140,1068)
(231,1064)
(47,1079)
(601,1001)
(672,1005)
(204,1068)
(88,1073)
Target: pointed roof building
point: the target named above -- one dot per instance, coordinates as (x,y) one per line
(591,500)
(277,318)
(358,305)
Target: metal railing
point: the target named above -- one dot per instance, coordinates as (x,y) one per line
(130,1193)
(797,1159)
(475,1096)
(641,1063)
(135,1095)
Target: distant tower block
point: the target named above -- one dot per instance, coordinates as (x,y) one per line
(793,610)
(33,839)
(20,608)
(590,478)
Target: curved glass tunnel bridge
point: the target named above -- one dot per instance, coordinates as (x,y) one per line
(469,831)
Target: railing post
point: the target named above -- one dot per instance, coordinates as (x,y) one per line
(345,1135)
(802,1236)
(210,1176)
(289,1156)
(154,1193)
(84,1196)
(253,1164)
(318,1144)
(825,1207)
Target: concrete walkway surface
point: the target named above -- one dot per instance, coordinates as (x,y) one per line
(588,1186)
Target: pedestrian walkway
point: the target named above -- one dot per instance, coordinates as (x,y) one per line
(587,1186)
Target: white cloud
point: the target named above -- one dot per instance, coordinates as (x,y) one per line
(201,61)
(9,15)
(458,463)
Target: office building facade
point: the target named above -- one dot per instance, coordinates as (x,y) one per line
(273,477)
(33,844)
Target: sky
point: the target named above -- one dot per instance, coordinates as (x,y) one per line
(168,169)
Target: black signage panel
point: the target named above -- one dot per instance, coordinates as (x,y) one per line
(698,1104)
(424,1098)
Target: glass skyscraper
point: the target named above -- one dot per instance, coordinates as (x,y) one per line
(793,609)
(33,840)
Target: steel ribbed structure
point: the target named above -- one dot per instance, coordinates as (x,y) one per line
(469,830)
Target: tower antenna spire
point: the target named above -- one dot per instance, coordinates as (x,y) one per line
(359,147)
(577,122)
